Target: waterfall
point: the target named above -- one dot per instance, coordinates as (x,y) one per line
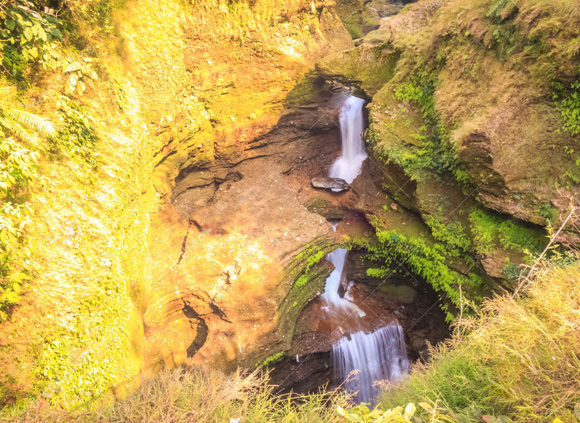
(380,355)
(348,165)
(334,302)
(376,355)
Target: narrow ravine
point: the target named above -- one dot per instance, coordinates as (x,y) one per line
(363,355)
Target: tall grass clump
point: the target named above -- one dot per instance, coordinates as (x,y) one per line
(518,359)
(202,396)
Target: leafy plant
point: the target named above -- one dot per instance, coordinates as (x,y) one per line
(19,136)
(313,255)
(490,231)
(568,104)
(435,152)
(29,36)
(363,414)
(272,359)
(452,235)
(77,137)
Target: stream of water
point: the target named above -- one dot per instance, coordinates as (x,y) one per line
(349,164)
(379,354)
(375,356)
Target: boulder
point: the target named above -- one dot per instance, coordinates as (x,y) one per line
(334,184)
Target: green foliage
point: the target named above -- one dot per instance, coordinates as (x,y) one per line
(69,369)
(363,414)
(568,104)
(76,138)
(458,383)
(78,72)
(272,359)
(435,152)
(18,169)
(511,271)
(546,211)
(490,231)
(497,8)
(199,395)
(427,262)
(13,219)
(312,255)
(516,361)
(29,35)
(452,235)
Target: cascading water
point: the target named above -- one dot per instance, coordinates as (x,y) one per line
(334,302)
(379,354)
(348,165)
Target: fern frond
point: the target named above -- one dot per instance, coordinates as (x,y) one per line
(496,8)
(39,124)
(15,128)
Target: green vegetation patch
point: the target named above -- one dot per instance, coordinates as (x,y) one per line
(396,252)
(432,149)
(568,104)
(490,231)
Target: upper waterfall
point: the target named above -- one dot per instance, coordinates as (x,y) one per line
(349,164)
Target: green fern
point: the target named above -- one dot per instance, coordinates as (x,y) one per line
(497,7)
(11,127)
(41,125)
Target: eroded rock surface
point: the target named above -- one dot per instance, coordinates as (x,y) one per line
(333,184)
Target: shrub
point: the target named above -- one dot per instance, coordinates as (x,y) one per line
(414,254)
(30,36)
(491,231)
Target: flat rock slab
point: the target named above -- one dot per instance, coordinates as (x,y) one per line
(334,184)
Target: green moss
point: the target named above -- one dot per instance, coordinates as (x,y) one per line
(303,281)
(311,256)
(311,89)
(350,13)
(272,359)
(452,235)
(491,231)
(428,262)
(432,150)
(76,138)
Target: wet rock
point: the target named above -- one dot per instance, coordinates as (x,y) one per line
(334,184)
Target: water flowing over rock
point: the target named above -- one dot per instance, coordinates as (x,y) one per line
(373,355)
(336,303)
(380,355)
(349,164)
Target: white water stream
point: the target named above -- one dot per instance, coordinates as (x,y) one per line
(349,164)
(381,354)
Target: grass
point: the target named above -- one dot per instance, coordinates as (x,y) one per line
(518,359)
(201,396)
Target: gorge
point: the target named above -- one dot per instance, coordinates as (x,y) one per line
(261,211)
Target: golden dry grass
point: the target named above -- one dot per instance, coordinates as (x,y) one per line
(520,358)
